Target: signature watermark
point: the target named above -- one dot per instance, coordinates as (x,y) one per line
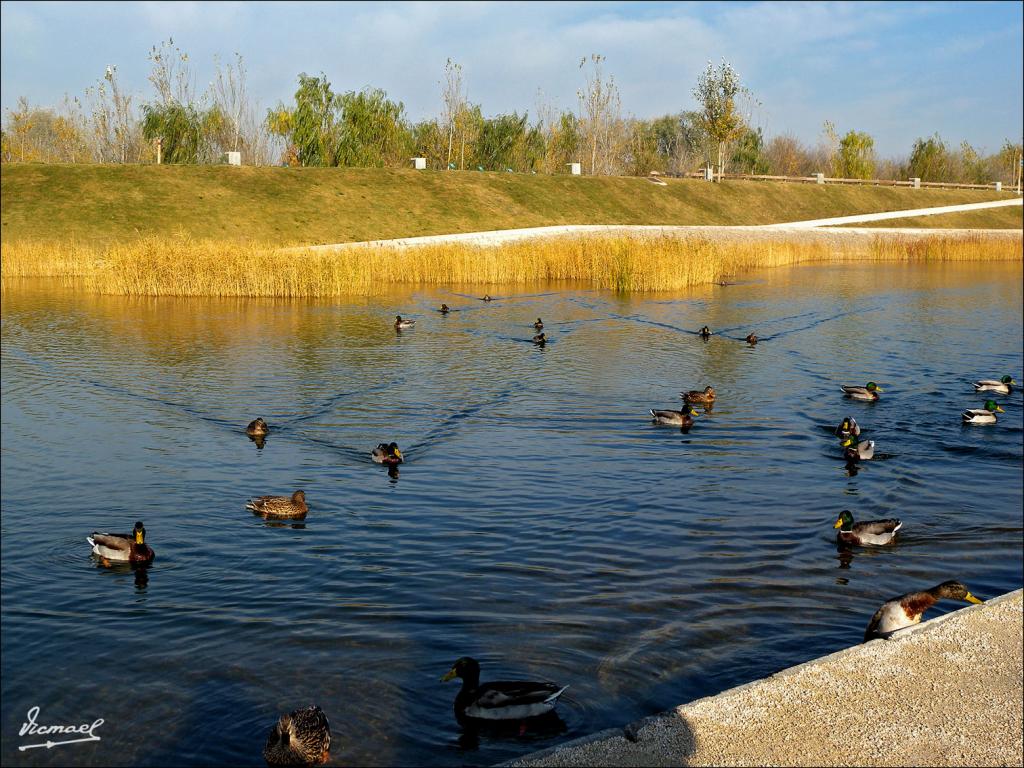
(31,728)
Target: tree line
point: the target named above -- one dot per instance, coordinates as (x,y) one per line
(325,127)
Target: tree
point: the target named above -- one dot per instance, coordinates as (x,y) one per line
(929,159)
(856,156)
(748,155)
(599,122)
(312,121)
(454,102)
(642,152)
(716,93)
(372,130)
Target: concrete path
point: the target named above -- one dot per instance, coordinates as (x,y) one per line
(947,692)
(498,237)
(863,217)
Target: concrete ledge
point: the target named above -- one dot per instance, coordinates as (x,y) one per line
(946,692)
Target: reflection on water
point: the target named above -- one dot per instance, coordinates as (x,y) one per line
(541,523)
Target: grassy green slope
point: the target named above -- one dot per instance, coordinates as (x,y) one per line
(289,206)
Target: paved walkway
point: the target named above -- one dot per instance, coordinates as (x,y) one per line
(947,692)
(760,232)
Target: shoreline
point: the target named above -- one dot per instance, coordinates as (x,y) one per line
(946,692)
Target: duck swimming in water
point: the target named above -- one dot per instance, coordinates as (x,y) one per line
(986,415)
(682,418)
(696,396)
(400,323)
(848,427)
(704,333)
(876,532)
(387,453)
(1003,386)
(302,737)
(538,325)
(751,339)
(293,508)
(858,451)
(122,547)
(444,310)
(868,392)
(501,699)
(257,428)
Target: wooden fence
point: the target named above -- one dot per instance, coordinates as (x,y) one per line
(828,180)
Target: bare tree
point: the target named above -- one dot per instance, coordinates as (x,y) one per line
(600,120)
(454,101)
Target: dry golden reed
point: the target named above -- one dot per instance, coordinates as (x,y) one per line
(183,267)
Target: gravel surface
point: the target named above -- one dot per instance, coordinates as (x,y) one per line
(947,692)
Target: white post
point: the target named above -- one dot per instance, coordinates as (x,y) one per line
(999,186)
(917,182)
(820,177)
(709,173)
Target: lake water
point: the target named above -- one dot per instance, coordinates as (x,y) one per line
(541,523)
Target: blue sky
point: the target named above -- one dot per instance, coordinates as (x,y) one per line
(895,70)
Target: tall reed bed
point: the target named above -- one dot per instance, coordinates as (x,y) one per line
(183,267)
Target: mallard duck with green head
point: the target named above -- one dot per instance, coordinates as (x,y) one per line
(698,396)
(386,453)
(848,427)
(1003,386)
(293,508)
(302,737)
(906,610)
(682,418)
(869,392)
(863,450)
(122,547)
(875,532)
(502,699)
(986,415)
(401,324)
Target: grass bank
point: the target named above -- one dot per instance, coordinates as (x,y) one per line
(106,204)
(183,267)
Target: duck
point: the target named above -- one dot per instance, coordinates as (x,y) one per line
(868,392)
(302,737)
(868,532)
(696,396)
(487,297)
(1004,386)
(400,323)
(257,428)
(848,427)
(986,415)
(683,418)
(906,610)
(540,338)
(280,506)
(502,699)
(751,339)
(444,310)
(387,453)
(704,332)
(862,451)
(539,325)
(122,547)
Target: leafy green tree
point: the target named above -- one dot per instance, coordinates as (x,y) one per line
(748,155)
(313,122)
(180,128)
(929,159)
(856,158)
(496,146)
(372,130)
(719,118)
